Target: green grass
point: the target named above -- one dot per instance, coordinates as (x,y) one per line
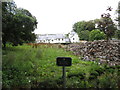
(24,66)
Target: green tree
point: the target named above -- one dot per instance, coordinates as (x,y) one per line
(107,25)
(25,23)
(117,34)
(84,35)
(18,24)
(79,26)
(83,27)
(8,9)
(96,35)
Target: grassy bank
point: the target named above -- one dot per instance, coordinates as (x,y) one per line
(26,67)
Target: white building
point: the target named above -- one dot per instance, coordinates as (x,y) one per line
(73,36)
(57,38)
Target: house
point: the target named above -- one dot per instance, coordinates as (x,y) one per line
(73,36)
(57,38)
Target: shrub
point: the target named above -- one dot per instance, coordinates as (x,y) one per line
(93,75)
(96,35)
(109,80)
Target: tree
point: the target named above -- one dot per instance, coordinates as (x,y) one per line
(18,24)
(84,35)
(96,35)
(106,24)
(117,34)
(25,23)
(7,18)
(118,11)
(83,27)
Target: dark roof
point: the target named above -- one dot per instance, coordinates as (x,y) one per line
(51,36)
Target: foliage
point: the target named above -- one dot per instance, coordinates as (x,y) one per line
(83,27)
(106,24)
(24,66)
(117,34)
(84,35)
(118,18)
(96,35)
(27,67)
(17,24)
(109,78)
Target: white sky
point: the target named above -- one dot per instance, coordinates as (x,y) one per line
(58,16)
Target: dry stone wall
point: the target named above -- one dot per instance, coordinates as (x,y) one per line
(102,51)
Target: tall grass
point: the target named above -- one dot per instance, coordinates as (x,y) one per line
(24,66)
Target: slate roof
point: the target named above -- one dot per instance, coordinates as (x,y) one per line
(72,33)
(51,36)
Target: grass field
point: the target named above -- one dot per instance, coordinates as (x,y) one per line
(26,67)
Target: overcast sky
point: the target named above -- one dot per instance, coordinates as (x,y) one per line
(58,16)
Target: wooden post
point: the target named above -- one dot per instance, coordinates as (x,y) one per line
(64,77)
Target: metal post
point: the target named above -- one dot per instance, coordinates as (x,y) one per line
(64,77)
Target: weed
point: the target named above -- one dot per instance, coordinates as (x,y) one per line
(27,67)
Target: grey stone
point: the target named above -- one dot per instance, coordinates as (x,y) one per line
(106,52)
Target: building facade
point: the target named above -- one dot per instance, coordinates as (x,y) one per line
(72,37)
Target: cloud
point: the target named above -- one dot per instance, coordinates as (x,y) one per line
(58,16)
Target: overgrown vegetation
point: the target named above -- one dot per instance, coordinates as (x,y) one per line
(96,35)
(18,24)
(26,67)
(105,24)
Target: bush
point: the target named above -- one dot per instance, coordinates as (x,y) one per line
(109,80)
(96,35)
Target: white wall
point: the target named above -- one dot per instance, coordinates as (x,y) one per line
(74,38)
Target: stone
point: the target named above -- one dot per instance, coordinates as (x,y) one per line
(104,51)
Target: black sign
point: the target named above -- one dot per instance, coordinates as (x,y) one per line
(64,61)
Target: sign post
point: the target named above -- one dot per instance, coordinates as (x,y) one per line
(64,77)
(64,61)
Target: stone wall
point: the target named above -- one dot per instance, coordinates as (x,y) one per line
(102,51)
